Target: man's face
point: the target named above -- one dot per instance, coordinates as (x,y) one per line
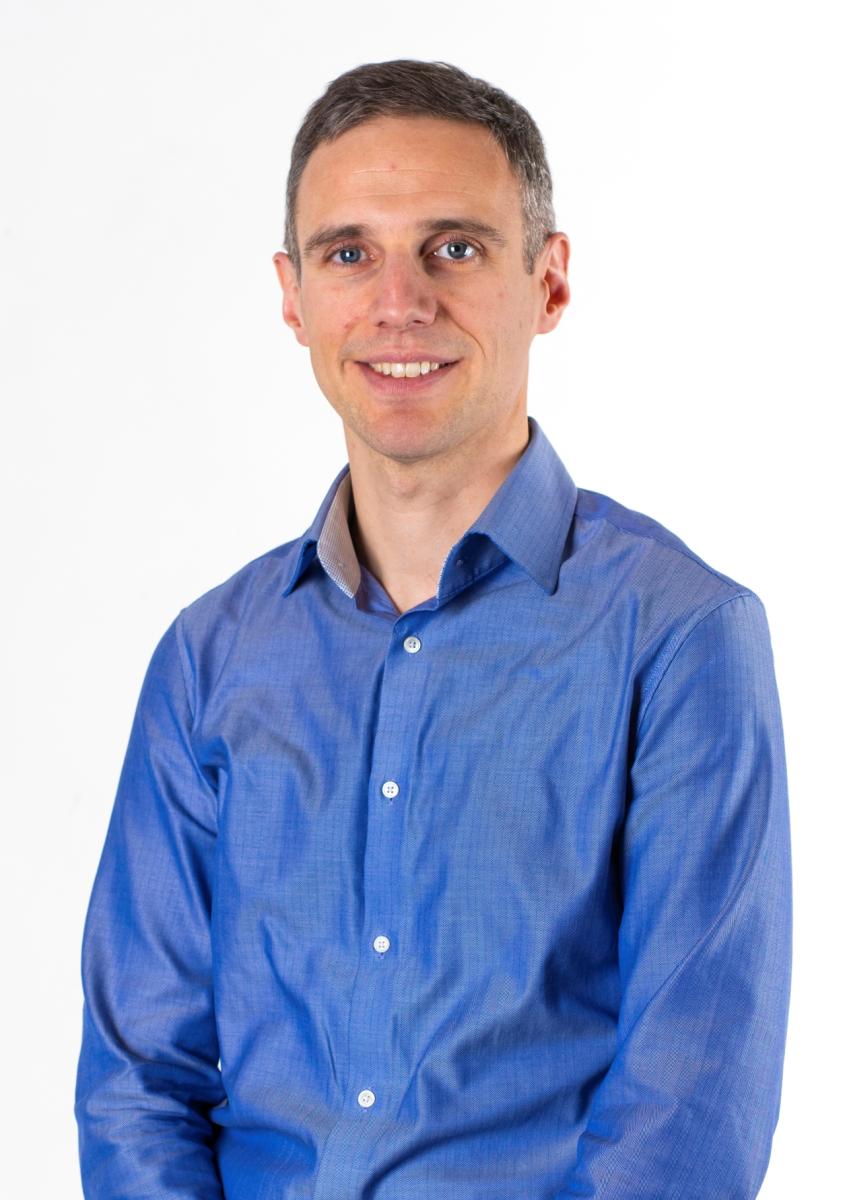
(411,239)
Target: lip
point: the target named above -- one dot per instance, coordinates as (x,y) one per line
(388,385)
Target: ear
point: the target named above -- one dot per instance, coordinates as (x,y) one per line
(554,264)
(292,299)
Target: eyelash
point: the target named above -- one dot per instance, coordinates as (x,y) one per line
(446,242)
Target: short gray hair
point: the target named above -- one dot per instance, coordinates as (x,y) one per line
(408,87)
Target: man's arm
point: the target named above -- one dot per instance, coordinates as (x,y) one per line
(689,1105)
(147,1072)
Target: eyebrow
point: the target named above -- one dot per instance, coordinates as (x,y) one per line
(335,233)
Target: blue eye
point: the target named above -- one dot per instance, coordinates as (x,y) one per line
(457,251)
(348,251)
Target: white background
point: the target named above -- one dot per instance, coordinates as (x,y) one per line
(161,427)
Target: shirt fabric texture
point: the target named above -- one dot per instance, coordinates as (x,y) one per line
(486,900)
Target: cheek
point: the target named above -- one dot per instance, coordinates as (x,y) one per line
(490,307)
(329,322)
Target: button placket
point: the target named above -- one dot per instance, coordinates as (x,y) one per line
(371,1082)
(395,734)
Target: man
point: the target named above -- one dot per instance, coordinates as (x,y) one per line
(450,855)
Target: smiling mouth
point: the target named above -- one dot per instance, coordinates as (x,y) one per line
(407,370)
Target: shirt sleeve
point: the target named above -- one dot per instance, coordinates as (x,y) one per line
(148,1072)
(688,1107)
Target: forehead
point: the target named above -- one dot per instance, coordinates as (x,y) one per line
(393,165)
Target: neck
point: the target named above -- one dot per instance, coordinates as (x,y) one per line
(406,516)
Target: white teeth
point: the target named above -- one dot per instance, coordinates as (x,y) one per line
(405,370)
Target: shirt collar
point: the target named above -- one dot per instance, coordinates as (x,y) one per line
(527,520)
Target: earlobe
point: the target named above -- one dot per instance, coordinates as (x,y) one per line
(555,282)
(291,296)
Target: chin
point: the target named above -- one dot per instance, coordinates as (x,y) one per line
(404,432)
(403,438)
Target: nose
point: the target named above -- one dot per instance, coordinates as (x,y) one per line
(404,295)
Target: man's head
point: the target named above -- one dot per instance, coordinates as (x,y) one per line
(420,231)
(406,88)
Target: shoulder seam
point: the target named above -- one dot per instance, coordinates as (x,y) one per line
(187,675)
(183,661)
(667,656)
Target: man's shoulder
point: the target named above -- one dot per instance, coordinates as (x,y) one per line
(647,558)
(259,581)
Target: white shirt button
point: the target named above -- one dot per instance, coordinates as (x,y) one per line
(390,789)
(412,644)
(366,1098)
(381,943)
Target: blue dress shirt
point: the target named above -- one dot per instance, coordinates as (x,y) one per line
(486,900)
